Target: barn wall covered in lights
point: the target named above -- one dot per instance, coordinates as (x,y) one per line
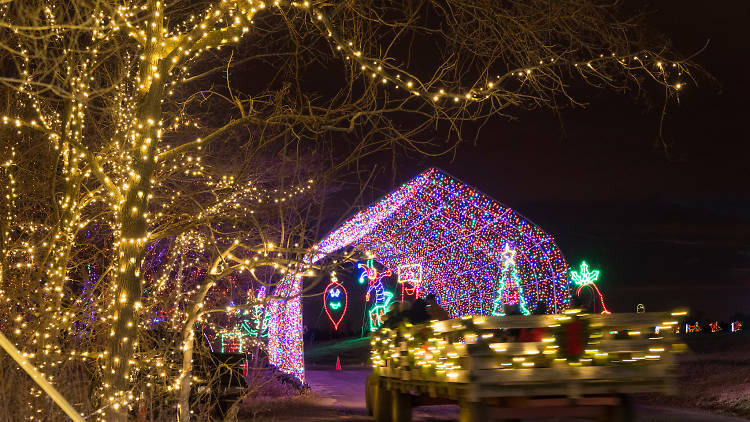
(457,235)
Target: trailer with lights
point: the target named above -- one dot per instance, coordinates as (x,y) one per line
(515,367)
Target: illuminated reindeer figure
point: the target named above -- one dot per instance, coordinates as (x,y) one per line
(376,290)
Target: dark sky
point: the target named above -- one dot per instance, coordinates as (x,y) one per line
(666,229)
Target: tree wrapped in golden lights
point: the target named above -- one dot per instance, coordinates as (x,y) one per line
(170,121)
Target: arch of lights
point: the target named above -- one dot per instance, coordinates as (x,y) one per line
(455,232)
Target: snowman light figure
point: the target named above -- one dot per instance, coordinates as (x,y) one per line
(376,290)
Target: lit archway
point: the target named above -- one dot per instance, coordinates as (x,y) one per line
(456,234)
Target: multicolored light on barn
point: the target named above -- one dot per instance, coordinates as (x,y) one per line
(456,233)
(285,328)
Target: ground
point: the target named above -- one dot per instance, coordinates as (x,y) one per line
(714,383)
(339,396)
(715,375)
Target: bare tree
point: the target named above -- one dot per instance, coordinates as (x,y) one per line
(161,122)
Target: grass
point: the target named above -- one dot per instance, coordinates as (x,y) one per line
(305,407)
(353,351)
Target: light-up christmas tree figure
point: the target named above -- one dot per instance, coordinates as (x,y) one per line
(509,291)
(246,325)
(586,278)
(257,323)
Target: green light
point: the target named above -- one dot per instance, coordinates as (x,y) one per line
(585,276)
(335,305)
(247,328)
(509,265)
(377,312)
(370,263)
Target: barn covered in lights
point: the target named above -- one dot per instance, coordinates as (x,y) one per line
(455,233)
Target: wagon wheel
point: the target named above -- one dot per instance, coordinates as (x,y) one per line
(382,404)
(369,391)
(622,412)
